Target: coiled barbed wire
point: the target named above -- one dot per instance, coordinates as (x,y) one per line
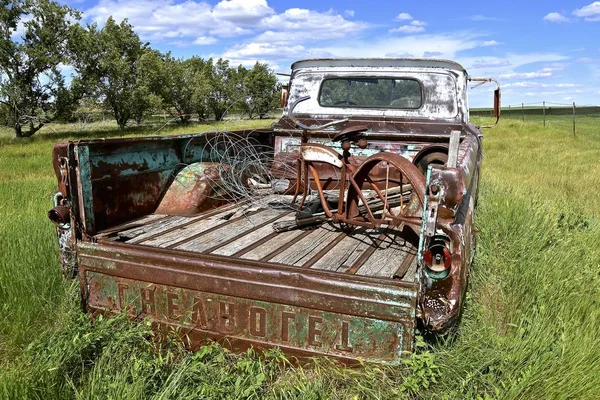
(244,170)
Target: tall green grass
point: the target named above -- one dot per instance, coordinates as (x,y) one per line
(529,330)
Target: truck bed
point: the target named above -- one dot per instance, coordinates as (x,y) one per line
(245,232)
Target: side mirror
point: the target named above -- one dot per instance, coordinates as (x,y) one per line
(497,102)
(497,97)
(284,95)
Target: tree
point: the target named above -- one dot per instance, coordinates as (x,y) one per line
(114,64)
(201,85)
(32,89)
(261,90)
(183,86)
(224,88)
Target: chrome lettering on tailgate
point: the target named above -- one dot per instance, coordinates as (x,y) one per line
(250,320)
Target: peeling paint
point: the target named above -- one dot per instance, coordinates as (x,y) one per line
(105,184)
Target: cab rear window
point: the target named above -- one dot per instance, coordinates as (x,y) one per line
(400,93)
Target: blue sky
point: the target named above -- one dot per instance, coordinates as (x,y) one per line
(539,50)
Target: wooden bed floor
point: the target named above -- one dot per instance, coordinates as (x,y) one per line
(247,233)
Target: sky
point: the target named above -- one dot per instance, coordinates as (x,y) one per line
(538,50)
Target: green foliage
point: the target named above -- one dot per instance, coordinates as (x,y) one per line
(32,88)
(182,84)
(116,67)
(114,70)
(261,90)
(225,86)
(529,329)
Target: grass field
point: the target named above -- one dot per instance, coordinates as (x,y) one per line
(530,328)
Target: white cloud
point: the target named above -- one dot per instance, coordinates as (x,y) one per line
(444,45)
(591,12)
(415,25)
(480,17)
(349,13)
(526,75)
(249,63)
(300,18)
(303,25)
(556,17)
(205,40)
(247,12)
(271,51)
(404,17)
(20,30)
(157,21)
(496,66)
(587,60)
(489,43)
(541,85)
(262,49)
(553,92)
(408,29)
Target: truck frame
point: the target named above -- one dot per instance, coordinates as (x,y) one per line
(351,223)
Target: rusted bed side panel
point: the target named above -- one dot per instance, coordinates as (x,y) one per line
(248,303)
(119,180)
(457,188)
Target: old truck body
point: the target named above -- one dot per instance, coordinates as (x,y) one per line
(206,233)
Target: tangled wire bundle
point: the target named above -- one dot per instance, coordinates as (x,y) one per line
(243,168)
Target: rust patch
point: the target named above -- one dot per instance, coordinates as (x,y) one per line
(194,189)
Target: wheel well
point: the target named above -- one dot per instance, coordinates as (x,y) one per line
(437,154)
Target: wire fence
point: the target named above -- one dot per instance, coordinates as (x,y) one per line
(546,113)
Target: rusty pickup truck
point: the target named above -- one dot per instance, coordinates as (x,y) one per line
(338,231)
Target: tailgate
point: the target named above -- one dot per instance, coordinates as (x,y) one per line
(305,312)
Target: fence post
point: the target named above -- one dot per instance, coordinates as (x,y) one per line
(509,111)
(573,119)
(544,112)
(523,112)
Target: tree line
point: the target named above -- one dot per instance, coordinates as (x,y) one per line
(113,70)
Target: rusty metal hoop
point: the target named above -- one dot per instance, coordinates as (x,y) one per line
(405,167)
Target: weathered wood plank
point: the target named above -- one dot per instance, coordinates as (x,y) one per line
(317,247)
(388,257)
(278,241)
(153,231)
(131,225)
(331,246)
(139,234)
(305,248)
(174,236)
(189,228)
(227,231)
(342,254)
(251,237)
(405,265)
(411,275)
(232,228)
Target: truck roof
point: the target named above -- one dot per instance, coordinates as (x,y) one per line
(377,63)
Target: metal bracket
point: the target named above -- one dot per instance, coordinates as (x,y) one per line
(306,127)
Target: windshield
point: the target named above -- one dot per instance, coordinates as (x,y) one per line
(401,93)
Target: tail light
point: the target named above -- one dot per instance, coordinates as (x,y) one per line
(438,258)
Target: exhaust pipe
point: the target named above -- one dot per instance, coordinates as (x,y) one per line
(60,216)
